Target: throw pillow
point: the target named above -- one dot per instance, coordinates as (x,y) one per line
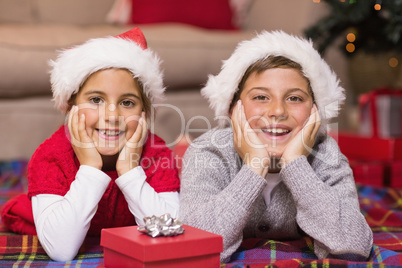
(210,14)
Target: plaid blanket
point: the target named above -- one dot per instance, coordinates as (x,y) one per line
(25,250)
(382,208)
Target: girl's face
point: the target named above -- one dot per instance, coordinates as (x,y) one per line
(112,104)
(277,104)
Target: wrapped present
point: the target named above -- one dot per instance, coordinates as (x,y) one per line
(381,113)
(396,174)
(374,161)
(368,173)
(357,147)
(129,247)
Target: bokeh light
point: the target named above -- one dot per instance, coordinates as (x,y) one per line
(350,48)
(351,37)
(393,62)
(377,7)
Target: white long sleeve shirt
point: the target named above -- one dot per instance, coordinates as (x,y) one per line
(62,222)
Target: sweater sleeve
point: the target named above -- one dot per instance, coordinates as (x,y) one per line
(327,204)
(143,200)
(212,201)
(62,222)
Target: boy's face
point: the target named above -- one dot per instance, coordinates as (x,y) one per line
(112,104)
(277,104)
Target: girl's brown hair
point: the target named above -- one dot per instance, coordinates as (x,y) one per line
(146,102)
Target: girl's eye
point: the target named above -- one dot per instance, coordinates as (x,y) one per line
(96,100)
(295,99)
(260,98)
(127,103)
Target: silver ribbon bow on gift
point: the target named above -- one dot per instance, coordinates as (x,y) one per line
(163,225)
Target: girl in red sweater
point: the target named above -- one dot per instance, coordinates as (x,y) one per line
(103,168)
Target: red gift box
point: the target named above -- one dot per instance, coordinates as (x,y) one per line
(374,161)
(127,247)
(356,147)
(381,113)
(369,173)
(396,174)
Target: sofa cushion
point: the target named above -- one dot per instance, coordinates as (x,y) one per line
(27,48)
(25,124)
(211,14)
(76,12)
(188,53)
(13,11)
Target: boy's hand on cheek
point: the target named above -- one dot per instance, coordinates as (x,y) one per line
(81,141)
(303,142)
(247,144)
(130,155)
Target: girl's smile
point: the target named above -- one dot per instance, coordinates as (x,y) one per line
(110,134)
(112,104)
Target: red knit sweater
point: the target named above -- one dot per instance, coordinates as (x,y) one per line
(54,165)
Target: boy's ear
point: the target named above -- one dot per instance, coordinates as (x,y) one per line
(230,111)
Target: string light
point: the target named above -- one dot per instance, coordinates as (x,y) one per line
(350,48)
(393,62)
(377,7)
(351,37)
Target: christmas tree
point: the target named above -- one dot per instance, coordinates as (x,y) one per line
(371,26)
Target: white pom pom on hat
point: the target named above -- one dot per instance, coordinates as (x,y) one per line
(127,51)
(328,94)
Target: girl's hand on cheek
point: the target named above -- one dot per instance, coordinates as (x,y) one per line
(130,155)
(247,144)
(303,142)
(81,141)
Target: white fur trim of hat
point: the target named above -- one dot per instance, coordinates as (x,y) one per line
(127,51)
(328,94)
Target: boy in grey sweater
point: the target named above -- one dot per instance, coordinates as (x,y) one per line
(274,173)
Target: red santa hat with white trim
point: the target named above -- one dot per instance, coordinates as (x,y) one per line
(127,51)
(328,94)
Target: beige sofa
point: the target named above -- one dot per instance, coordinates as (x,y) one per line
(31,31)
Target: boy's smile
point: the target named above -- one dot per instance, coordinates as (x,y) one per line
(111,102)
(277,104)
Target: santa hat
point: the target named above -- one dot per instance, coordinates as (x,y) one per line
(128,51)
(221,88)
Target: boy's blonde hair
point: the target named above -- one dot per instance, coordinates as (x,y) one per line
(221,89)
(266,64)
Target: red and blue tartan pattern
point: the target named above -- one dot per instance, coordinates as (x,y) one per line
(382,208)
(25,250)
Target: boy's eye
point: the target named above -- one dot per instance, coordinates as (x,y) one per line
(260,97)
(96,100)
(294,98)
(127,103)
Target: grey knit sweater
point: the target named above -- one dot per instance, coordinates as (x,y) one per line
(317,196)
